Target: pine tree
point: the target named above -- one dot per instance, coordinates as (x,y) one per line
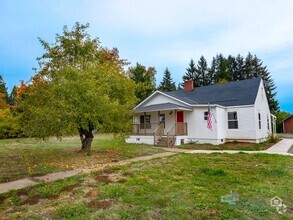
(212,72)
(248,69)
(3,90)
(191,74)
(238,71)
(222,72)
(261,71)
(202,72)
(12,96)
(167,84)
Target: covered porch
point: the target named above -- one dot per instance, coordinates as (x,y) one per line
(160,123)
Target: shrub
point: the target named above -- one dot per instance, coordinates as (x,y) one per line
(273,138)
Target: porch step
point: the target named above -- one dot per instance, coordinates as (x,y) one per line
(163,142)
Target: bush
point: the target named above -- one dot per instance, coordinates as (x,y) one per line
(273,138)
(9,124)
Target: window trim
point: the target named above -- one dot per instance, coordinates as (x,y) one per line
(233,120)
(259,121)
(268,122)
(205,115)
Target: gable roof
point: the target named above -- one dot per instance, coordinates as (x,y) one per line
(234,93)
(287,118)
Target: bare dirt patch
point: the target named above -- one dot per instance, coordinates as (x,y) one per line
(69,188)
(34,200)
(103,204)
(121,181)
(103,178)
(93,193)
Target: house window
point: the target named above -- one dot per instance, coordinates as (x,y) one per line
(232,120)
(259,121)
(206,116)
(147,120)
(268,122)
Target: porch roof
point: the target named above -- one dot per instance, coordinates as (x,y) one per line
(162,107)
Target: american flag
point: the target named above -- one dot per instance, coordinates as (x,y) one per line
(209,121)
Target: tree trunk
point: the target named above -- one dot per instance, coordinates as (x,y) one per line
(86,137)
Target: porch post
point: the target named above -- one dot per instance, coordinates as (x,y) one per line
(144,125)
(175,117)
(158,118)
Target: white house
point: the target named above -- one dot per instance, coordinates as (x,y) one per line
(240,112)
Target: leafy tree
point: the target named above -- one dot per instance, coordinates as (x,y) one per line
(9,124)
(144,79)
(281,115)
(79,87)
(167,84)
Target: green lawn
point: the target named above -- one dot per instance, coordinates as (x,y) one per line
(20,158)
(228,146)
(184,186)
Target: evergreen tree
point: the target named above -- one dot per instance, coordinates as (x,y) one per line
(212,72)
(222,72)
(191,74)
(167,84)
(248,69)
(12,96)
(202,72)
(3,88)
(259,70)
(238,71)
(231,67)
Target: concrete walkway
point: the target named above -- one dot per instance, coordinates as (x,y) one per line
(281,148)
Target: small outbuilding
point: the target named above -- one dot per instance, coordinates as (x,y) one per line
(288,125)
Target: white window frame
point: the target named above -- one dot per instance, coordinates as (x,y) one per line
(233,120)
(205,115)
(259,120)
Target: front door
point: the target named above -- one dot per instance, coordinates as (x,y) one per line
(179,126)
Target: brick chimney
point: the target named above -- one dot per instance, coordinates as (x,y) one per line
(188,86)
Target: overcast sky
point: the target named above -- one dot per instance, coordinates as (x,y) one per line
(155,33)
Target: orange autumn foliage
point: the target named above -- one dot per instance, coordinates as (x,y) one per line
(3,103)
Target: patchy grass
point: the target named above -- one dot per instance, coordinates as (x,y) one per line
(228,146)
(21,158)
(184,186)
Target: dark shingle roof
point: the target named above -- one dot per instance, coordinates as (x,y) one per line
(235,93)
(161,107)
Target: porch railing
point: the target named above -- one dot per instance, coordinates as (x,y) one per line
(150,128)
(171,136)
(181,128)
(158,133)
(145,129)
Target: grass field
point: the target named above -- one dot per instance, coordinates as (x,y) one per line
(20,158)
(184,186)
(228,146)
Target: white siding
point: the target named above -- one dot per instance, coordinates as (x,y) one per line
(197,126)
(262,107)
(222,123)
(159,99)
(246,123)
